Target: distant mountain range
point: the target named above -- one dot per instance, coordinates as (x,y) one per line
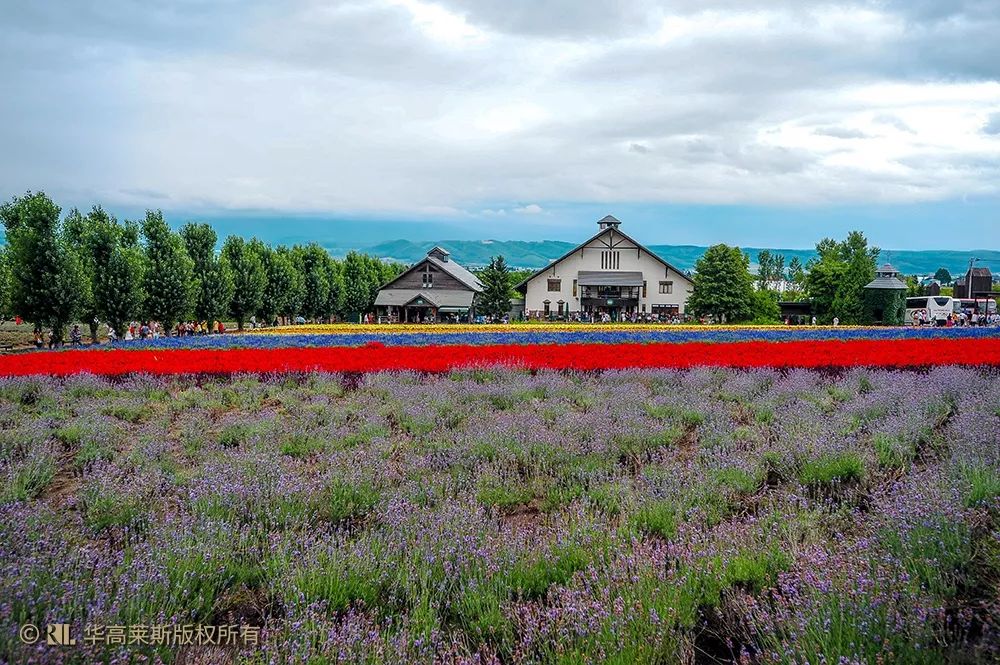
(537,254)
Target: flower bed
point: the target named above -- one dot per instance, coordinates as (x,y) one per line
(493,335)
(377,357)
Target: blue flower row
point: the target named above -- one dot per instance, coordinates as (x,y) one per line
(557,337)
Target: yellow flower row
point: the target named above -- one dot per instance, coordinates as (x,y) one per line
(345,328)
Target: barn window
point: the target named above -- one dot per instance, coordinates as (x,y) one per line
(555,285)
(666,287)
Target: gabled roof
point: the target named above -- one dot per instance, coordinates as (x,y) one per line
(458,272)
(437,298)
(450,267)
(592,239)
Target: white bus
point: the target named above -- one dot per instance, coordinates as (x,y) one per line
(929,310)
(979,305)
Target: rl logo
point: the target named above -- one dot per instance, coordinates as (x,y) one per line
(59,634)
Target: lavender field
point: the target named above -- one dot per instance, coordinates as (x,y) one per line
(499,516)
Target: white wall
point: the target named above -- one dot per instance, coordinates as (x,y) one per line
(630,258)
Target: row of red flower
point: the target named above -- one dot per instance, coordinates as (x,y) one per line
(373,358)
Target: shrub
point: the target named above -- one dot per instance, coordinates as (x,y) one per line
(302,445)
(607,498)
(831,468)
(738,480)
(132,413)
(339,579)
(982,484)
(657,518)
(504,496)
(235,435)
(27,478)
(533,577)
(638,445)
(757,570)
(105,509)
(935,553)
(892,452)
(342,501)
(687,417)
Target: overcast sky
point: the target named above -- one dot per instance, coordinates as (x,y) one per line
(694,121)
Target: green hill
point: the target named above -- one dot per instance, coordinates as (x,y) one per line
(536,254)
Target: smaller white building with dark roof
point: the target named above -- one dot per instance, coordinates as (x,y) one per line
(608,274)
(431,290)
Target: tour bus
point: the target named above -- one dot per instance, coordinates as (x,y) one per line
(980,305)
(929,310)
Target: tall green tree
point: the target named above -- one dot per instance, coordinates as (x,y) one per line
(796,273)
(943,275)
(282,282)
(118,268)
(495,300)
(335,277)
(168,281)
(213,280)
(288,283)
(5,284)
(838,275)
(95,238)
(361,282)
(249,278)
(119,294)
(311,261)
(765,268)
(723,286)
(48,284)
(76,231)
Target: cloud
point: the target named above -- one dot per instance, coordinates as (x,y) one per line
(410,107)
(840,132)
(992,125)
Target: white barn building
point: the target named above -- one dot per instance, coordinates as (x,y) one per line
(609,274)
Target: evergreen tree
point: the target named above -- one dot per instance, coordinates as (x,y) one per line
(249,278)
(765,268)
(796,273)
(168,281)
(47,284)
(495,300)
(723,286)
(943,275)
(213,280)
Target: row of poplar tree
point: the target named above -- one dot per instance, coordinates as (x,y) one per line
(91,267)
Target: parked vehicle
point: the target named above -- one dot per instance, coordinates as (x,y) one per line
(929,310)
